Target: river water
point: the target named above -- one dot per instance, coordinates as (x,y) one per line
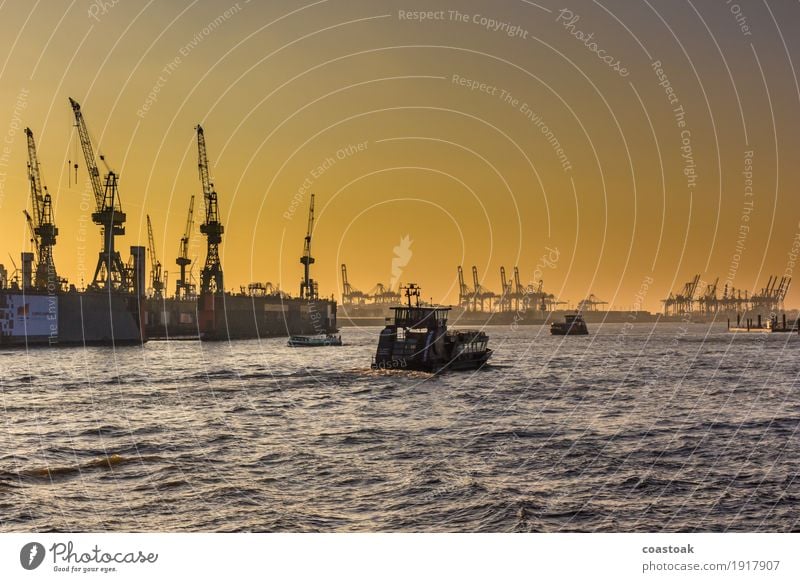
(666,427)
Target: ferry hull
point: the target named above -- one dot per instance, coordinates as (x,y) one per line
(229,317)
(72,318)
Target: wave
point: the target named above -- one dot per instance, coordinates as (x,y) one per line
(54,473)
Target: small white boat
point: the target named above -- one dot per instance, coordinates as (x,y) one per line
(314,341)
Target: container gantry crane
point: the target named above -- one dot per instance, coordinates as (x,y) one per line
(183,288)
(504,300)
(591,303)
(111,273)
(156,282)
(308,287)
(211,275)
(481,294)
(465,295)
(349,293)
(381,293)
(43,228)
(519,295)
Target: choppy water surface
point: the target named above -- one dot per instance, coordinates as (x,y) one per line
(672,427)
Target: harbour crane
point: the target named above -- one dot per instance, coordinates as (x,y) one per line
(111,273)
(380,293)
(505,291)
(43,228)
(709,303)
(211,275)
(349,293)
(183,288)
(519,294)
(465,294)
(481,294)
(32,229)
(156,282)
(591,303)
(308,287)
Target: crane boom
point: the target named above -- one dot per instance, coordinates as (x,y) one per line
(35,178)
(505,293)
(202,164)
(464,293)
(346,289)
(187,232)
(32,228)
(88,154)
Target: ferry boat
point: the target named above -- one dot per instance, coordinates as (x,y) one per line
(417,338)
(573,324)
(313,341)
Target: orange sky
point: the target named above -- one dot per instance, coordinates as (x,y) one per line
(445,130)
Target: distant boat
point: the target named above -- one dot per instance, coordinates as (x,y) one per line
(573,324)
(417,338)
(771,325)
(314,341)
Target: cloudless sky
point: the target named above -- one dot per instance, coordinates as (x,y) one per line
(491,134)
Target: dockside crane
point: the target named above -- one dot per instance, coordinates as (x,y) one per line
(709,302)
(505,291)
(381,293)
(350,294)
(783,289)
(32,229)
(465,294)
(111,273)
(519,295)
(591,303)
(156,282)
(308,287)
(183,287)
(41,223)
(481,294)
(211,275)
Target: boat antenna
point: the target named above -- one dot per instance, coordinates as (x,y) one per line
(412,290)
